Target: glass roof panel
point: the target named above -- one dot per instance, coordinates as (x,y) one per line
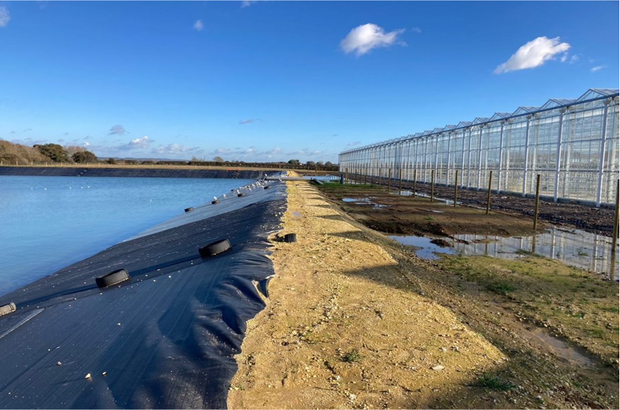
(479,120)
(500,116)
(593,93)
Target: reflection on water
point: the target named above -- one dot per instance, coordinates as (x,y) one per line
(363,201)
(575,248)
(426,249)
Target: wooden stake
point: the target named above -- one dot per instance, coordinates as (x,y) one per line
(389,178)
(537,200)
(489,192)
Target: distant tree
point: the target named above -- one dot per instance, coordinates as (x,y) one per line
(84,156)
(72,149)
(294,162)
(310,164)
(111,161)
(218,159)
(54,152)
(329,164)
(319,164)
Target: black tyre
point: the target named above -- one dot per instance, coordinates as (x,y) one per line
(241,195)
(6,309)
(290,237)
(215,202)
(113,278)
(267,187)
(215,248)
(190,209)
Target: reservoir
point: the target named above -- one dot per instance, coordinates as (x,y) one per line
(50,222)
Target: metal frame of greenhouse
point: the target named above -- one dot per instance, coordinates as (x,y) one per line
(572,144)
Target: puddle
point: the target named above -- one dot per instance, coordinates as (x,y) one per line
(363,201)
(573,247)
(426,249)
(357,200)
(445,201)
(563,349)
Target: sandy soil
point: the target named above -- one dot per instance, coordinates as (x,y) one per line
(354,323)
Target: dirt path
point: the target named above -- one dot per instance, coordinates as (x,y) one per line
(354,323)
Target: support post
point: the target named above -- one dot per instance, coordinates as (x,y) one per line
(400,181)
(537,200)
(614,240)
(346,175)
(558,160)
(456,185)
(389,178)
(527,153)
(415,177)
(489,192)
(432,185)
(601,164)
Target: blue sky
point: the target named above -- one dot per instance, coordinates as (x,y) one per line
(264,81)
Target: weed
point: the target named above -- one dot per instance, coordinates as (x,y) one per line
(352,357)
(582,253)
(494,383)
(503,288)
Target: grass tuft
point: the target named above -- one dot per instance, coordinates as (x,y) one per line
(352,357)
(491,382)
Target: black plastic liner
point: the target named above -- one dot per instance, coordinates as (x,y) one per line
(164,339)
(133,172)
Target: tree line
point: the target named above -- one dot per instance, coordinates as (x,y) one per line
(18,154)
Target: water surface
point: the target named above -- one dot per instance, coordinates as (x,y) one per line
(50,222)
(573,247)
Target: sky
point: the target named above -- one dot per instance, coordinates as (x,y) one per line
(279,80)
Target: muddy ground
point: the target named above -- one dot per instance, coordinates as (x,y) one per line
(388,212)
(586,217)
(355,320)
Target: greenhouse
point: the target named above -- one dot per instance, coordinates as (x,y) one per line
(572,144)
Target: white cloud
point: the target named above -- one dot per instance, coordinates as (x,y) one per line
(117,130)
(5,17)
(597,68)
(416,29)
(247,3)
(138,143)
(249,121)
(176,149)
(564,58)
(573,59)
(364,38)
(199,25)
(533,54)
(353,144)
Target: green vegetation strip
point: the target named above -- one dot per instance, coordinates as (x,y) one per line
(572,302)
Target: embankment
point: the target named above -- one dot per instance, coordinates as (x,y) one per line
(163,339)
(131,172)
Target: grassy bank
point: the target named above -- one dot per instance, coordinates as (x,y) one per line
(571,302)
